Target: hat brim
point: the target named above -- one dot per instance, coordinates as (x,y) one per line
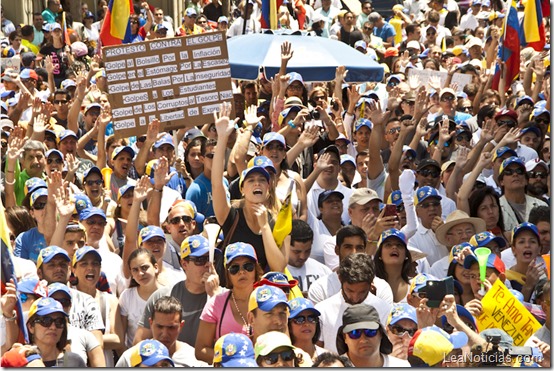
(240,362)
(478,223)
(244,254)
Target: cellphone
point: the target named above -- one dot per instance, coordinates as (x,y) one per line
(436,290)
(390,210)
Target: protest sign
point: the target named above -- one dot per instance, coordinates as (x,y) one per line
(181,81)
(13,62)
(501,309)
(461,79)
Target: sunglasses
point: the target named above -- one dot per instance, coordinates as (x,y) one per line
(60,101)
(303,319)
(538,174)
(98,222)
(273,358)
(295,87)
(542,121)
(356,334)
(430,204)
(235,268)
(50,161)
(199,261)
(176,220)
(427,172)
(466,109)
(39,205)
(400,331)
(448,98)
(409,103)
(93,182)
(209,155)
(436,142)
(368,28)
(64,302)
(394,130)
(48,321)
(392,83)
(463,137)
(400,208)
(518,171)
(141,139)
(509,123)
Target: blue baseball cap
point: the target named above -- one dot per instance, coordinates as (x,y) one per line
(342,137)
(7,94)
(424,193)
(37,194)
(266,298)
(90,212)
(401,311)
(234,350)
(33,184)
(80,254)
(525,226)
(49,252)
(272,137)
(482,239)
(323,196)
(150,232)
(419,282)
(409,149)
(457,249)
(92,170)
(277,279)
(390,233)
(27,285)
(262,161)
(539,110)
(462,312)
(502,151)
(295,76)
(68,83)
(149,353)
(195,245)
(251,170)
(45,306)
(347,158)
(285,112)
(364,122)
(165,139)
(524,99)
(57,287)
(237,249)
(533,129)
(298,305)
(67,134)
(82,202)
(54,151)
(509,161)
(493,261)
(198,217)
(120,149)
(395,198)
(121,191)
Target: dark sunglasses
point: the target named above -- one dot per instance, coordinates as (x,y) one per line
(356,334)
(209,155)
(538,174)
(177,219)
(462,137)
(60,101)
(141,139)
(436,142)
(273,358)
(400,208)
(134,22)
(93,182)
(39,205)
(392,83)
(448,98)
(99,222)
(394,130)
(518,171)
(509,123)
(199,261)
(54,160)
(542,121)
(466,109)
(48,321)
(303,319)
(400,331)
(275,146)
(235,268)
(64,302)
(427,172)
(430,204)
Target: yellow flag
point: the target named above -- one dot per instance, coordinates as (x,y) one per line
(283,224)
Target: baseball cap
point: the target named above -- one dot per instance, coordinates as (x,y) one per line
(8,94)
(362,196)
(28,73)
(273,137)
(33,184)
(419,282)
(539,110)
(82,202)
(45,306)
(298,305)
(503,150)
(254,169)
(262,161)
(66,134)
(462,312)
(222,19)
(361,316)
(270,341)
(391,52)
(237,249)
(524,99)
(92,170)
(493,261)
(482,239)
(149,352)
(413,45)
(295,76)
(432,344)
(193,133)
(390,233)
(507,112)
(276,279)
(424,193)
(457,249)
(55,151)
(90,212)
(525,226)
(364,122)
(27,285)
(342,137)
(88,14)
(395,198)
(323,196)
(285,112)
(67,83)
(191,12)
(195,245)
(150,232)
(347,158)
(533,129)
(121,191)
(428,162)
(400,311)
(360,44)
(49,252)
(394,77)
(57,287)
(532,164)
(294,102)
(36,195)
(80,254)
(474,41)
(234,350)
(92,105)
(266,298)
(165,139)
(120,149)
(330,149)
(509,161)
(447,91)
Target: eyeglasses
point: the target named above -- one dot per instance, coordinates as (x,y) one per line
(295,87)
(57,101)
(64,302)
(400,331)
(394,130)
(448,98)
(427,172)
(48,321)
(93,182)
(431,33)
(54,160)
(209,155)
(177,219)
(430,204)
(509,123)
(537,174)
(199,261)
(518,171)
(39,205)
(320,97)
(303,319)
(275,146)
(273,358)
(235,268)
(356,334)
(96,222)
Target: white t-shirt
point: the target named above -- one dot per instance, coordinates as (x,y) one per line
(323,245)
(329,285)
(132,306)
(112,266)
(309,273)
(391,361)
(313,210)
(426,241)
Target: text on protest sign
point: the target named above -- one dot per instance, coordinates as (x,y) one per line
(181,81)
(501,309)
(461,79)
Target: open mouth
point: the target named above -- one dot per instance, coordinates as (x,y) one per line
(90,277)
(258,192)
(528,254)
(394,254)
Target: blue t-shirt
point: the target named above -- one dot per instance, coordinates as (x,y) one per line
(461,116)
(177,182)
(29,243)
(200,192)
(385,32)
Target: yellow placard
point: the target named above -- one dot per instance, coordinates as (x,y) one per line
(501,309)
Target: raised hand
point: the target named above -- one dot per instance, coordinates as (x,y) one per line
(286,51)
(153,131)
(276,84)
(413,82)
(340,74)
(64,202)
(511,136)
(162,175)
(421,102)
(283,83)
(486,131)
(435,83)
(461,159)
(40,124)
(16,141)
(72,163)
(260,212)
(309,136)
(484,160)
(142,188)
(9,299)
(353,95)
(48,65)
(376,115)
(223,125)
(54,182)
(251,115)
(324,162)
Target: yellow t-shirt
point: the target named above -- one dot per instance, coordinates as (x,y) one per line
(397,22)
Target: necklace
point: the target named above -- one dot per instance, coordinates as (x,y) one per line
(246,328)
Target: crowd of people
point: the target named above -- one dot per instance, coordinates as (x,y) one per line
(394,185)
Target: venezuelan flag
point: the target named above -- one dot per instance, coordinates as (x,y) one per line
(116,22)
(509,49)
(533,34)
(269,13)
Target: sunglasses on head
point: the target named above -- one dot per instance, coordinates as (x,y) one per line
(235,268)
(48,321)
(426,172)
(356,334)
(400,331)
(93,182)
(58,161)
(177,219)
(518,171)
(273,358)
(199,261)
(312,318)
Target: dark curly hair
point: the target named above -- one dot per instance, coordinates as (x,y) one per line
(357,268)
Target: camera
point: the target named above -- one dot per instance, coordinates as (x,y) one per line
(335,105)
(312,115)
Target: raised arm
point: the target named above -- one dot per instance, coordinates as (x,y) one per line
(73,115)
(375,139)
(406,127)
(65,207)
(467,186)
(16,141)
(161,178)
(286,55)
(151,137)
(102,121)
(224,128)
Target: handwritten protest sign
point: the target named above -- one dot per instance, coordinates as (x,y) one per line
(181,81)
(461,79)
(501,309)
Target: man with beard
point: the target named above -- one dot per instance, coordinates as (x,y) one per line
(537,171)
(356,273)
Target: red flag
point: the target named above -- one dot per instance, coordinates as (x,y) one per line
(116,22)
